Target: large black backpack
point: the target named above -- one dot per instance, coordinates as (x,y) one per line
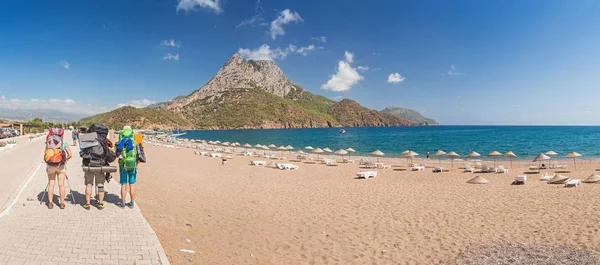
(97,154)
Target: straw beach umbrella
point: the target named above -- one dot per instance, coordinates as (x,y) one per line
(594,178)
(410,154)
(309,148)
(326,149)
(378,154)
(341,152)
(439,155)
(272,146)
(452,155)
(510,156)
(351,150)
(478,180)
(282,148)
(318,151)
(495,154)
(551,153)
(539,158)
(289,148)
(573,155)
(473,154)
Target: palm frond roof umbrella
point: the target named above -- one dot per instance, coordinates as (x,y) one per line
(539,158)
(247,145)
(272,146)
(473,154)
(326,149)
(551,153)
(439,155)
(573,155)
(510,156)
(341,152)
(351,150)
(378,154)
(409,155)
(258,146)
(282,148)
(494,154)
(264,147)
(594,178)
(289,147)
(452,155)
(318,151)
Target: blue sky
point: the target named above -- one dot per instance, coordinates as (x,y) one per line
(460,62)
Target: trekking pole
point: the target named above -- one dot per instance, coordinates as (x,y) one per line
(69,182)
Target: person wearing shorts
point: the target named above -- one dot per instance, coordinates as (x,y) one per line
(58,171)
(91,179)
(127,178)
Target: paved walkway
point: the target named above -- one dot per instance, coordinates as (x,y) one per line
(30,233)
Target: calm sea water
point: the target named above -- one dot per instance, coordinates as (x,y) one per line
(525,141)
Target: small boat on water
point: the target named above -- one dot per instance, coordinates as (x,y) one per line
(342,131)
(173,134)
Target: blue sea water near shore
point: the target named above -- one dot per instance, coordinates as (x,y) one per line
(525,141)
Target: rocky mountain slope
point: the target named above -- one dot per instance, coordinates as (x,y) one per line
(248,94)
(412,116)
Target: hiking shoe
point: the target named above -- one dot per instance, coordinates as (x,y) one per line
(122,205)
(50,205)
(61,206)
(100,206)
(86,206)
(131,204)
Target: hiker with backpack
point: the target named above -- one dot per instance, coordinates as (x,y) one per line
(96,157)
(56,155)
(75,134)
(130,152)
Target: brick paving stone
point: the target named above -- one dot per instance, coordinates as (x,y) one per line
(33,234)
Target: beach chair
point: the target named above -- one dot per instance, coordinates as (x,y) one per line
(487,169)
(286,166)
(258,162)
(369,165)
(520,179)
(364,161)
(215,155)
(366,174)
(469,168)
(383,166)
(546,176)
(418,168)
(438,169)
(348,161)
(247,153)
(573,183)
(501,169)
(533,167)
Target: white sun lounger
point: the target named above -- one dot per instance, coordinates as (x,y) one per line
(196,153)
(546,177)
(469,168)
(247,153)
(501,169)
(366,174)
(286,166)
(258,162)
(418,168)
(215,155)
(521,179)
(573,183)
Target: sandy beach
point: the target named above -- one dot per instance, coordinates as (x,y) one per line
(242,214)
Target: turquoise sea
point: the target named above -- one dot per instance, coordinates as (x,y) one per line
(525,141)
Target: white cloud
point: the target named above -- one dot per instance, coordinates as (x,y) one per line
(345,76)
(53,104)
(64,64)
(395,78)
(375,69)
(362,68)
(170,56)
(453,71)
(192,5)
(264,52)
(349,57)
(256,20)
(138,103)
(285,17)
(322,39)
(171,43)
(304,50)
